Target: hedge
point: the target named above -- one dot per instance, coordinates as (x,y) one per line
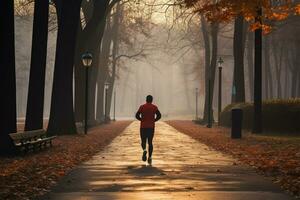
(278,115)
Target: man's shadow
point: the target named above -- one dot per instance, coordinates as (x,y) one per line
(145,170)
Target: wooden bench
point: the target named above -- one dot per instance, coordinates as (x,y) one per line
(31,140)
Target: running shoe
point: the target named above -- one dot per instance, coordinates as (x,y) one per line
(144,157)
(150,161)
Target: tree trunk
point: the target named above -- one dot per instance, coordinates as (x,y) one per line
(265,92)
(103,67)
(292,64)
(298,83)
(81,47)
(250,63)
(62,119)
(294,75)
(268,72)
(287,77)
(238,52)
(102,79)
(94,46)
(294,85)
(286,84)
(297,68)
(257,121)
(92,36)
(207,48)
(115,50)
(92,87)
(79,77)
(100,98)
(278,53)
(7,77)
(213,63)
(35,102)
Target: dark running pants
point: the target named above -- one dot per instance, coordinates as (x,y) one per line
(147,134)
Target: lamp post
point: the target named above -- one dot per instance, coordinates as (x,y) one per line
(196,117)
(220,62)
(87,59)
(106,86)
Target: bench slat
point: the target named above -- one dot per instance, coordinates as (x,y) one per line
(35,133)
(29,139)
(16,136)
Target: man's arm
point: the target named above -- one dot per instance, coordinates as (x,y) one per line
(158,115)
(138,115)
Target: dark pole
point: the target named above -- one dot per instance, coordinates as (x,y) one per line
(86,99)
(257,121)
(196,104)
(115,105)
(209,124)
(105,104)
(220,94)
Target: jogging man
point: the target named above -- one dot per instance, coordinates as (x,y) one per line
(148,114)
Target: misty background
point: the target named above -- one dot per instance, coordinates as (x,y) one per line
(170,67)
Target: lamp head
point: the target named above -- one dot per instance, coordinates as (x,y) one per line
(220,61)
(106,85)
(87,59)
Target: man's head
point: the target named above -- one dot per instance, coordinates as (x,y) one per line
(149,99)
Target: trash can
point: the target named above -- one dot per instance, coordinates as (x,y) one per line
(236,126)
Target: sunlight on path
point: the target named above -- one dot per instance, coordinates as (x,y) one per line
(182,169)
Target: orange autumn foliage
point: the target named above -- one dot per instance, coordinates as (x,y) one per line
(297,9)
(227,10)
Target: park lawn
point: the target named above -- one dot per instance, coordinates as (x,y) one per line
(29,176)
(273,155)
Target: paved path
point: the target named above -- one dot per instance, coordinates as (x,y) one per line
(182,169)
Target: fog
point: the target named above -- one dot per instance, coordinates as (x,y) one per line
(171,82)
(172,89)
(170,69)
(23,38)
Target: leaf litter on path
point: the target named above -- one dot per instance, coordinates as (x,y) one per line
(32,175)
(276,157)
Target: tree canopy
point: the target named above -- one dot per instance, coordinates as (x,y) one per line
(226,10)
